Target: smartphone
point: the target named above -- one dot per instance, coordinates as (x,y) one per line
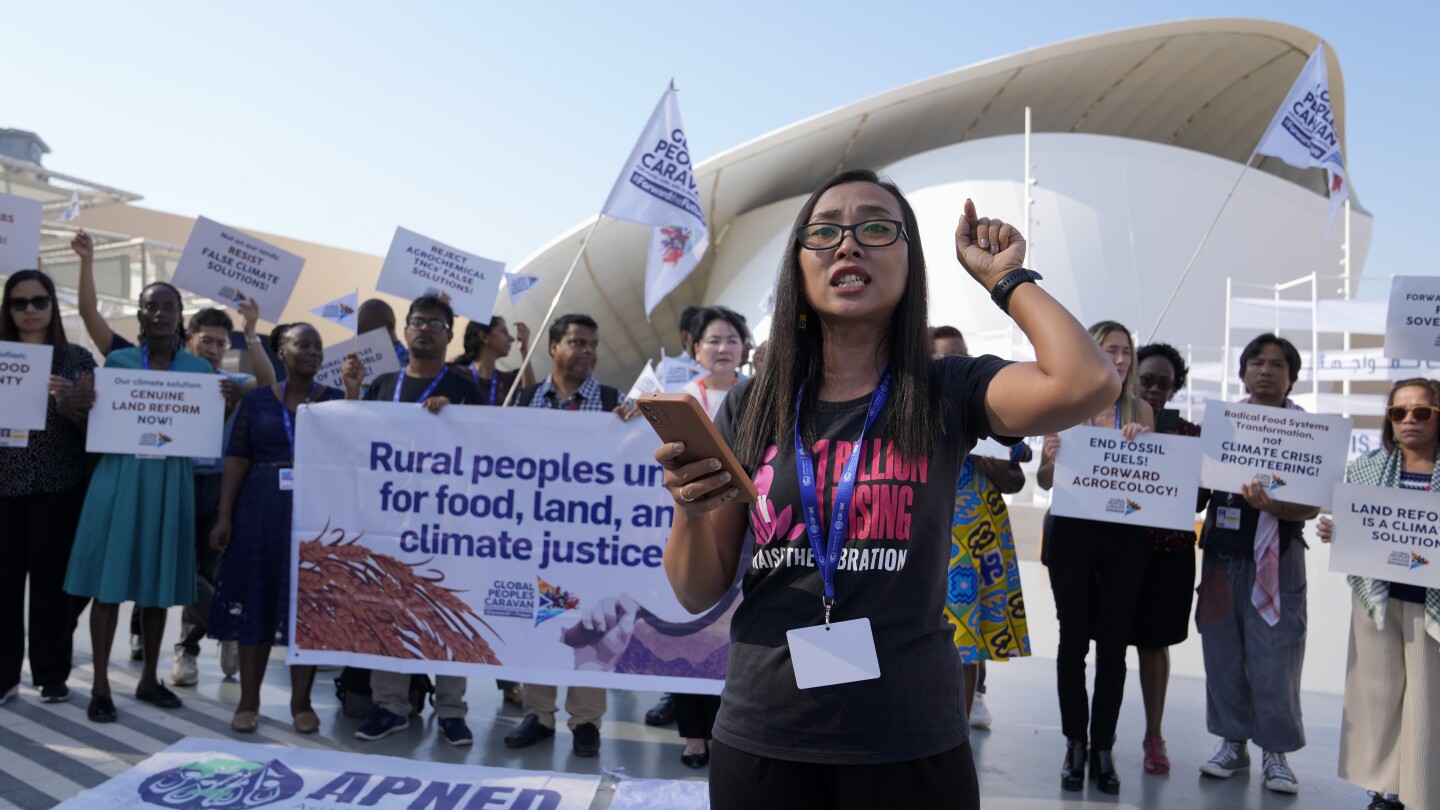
(678,418)
(1167,421)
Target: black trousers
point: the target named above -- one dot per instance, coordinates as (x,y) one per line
(695,715)
(1096,570)
(196,615)
(38,532)
(741,781)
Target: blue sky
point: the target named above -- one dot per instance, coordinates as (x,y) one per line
(495,127)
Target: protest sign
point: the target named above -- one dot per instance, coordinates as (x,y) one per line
(229,775)
(229,266)
(1387,533)
(1297,456)
(519,543)
(19,232)
(989,448)
(156,413)
(675,372)
(24,384)
(1152,481)
(375,351)
(647,383)
(418,265)
(1412,323)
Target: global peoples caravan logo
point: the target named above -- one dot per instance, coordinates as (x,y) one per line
(1271,482)
(675,242)
(222,784)
(156,439)
(337,311)
(231,295)
(1407,559)
(1122,506)
(552,600)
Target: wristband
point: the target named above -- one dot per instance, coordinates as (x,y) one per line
(1003,289)
(253,340)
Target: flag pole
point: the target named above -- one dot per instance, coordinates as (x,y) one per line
(1191,264)
(555,302)
(355,333)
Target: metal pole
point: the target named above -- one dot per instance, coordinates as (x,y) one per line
(1029,199)
(1315,338)
(1171,300)
(1345,274)
(545,324)
(1190,382)
(1225,348)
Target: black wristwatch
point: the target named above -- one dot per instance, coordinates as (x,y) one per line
(1000,294)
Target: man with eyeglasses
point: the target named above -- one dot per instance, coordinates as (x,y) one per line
(571,386)
(429,328)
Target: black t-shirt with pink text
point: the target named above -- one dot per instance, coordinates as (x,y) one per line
(892,572)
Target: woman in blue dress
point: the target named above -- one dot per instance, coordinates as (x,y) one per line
(136,539)
(253,525)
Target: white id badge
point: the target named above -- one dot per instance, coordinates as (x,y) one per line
(287,479)
(14,438)
(1228,517)
(827,654)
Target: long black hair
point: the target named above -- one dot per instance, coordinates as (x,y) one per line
(476,333)
(796,355)
(55,334)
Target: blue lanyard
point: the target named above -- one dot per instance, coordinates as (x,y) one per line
(827,559)
(1117,417)
(400,383)
(145,358)
(494,381)
(285,413)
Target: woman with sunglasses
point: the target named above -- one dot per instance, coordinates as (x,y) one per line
(252,524)
(1390,735)
(135,542)
(852,410)
(1167,591)
(1096,569)
(42,485)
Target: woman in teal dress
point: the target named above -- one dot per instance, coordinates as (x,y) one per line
(136,539)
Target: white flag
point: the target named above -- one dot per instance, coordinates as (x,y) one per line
(73,212)
(518,284)
(675,372)
(1303,133)
(657,187)
(341,310)
(647,383)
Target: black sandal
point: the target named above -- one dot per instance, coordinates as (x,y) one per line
(160,696)
(101,709)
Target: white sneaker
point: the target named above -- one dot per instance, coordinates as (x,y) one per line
(979,715)
(137,649)
(1278,776)
(1232,757)
(184,673)
(229,657)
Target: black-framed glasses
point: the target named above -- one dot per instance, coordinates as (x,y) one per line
(39,302)
(870,233)
(1423,413)
(1161,384)
(430,324)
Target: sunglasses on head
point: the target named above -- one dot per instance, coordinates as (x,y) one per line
(39,302)
(1423,413)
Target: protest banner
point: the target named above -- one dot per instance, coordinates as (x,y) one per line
(24,384)
(1386,533)
(1412,323)
(1152,481)
(375,351)
(418,265)
(156,413)
(199,773)
(1297,456)
(230,266)
(19,232)
(518,543)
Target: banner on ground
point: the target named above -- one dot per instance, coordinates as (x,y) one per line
(24,384)
(657,187)
(1387,533)
(204,774)
(1152,481)
(230,266)
(418,265)
(19,232)
(518,543)
(375,351)
(156,413)
(1412,323)
(1297,456)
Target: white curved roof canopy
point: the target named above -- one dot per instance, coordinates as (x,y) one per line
(1207,85)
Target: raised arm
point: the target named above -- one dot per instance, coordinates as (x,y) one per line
(89,303)
(249,310)
(1070,379)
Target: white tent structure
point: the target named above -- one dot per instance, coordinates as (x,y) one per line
(1138,134)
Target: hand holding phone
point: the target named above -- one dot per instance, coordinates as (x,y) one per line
(700,470)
